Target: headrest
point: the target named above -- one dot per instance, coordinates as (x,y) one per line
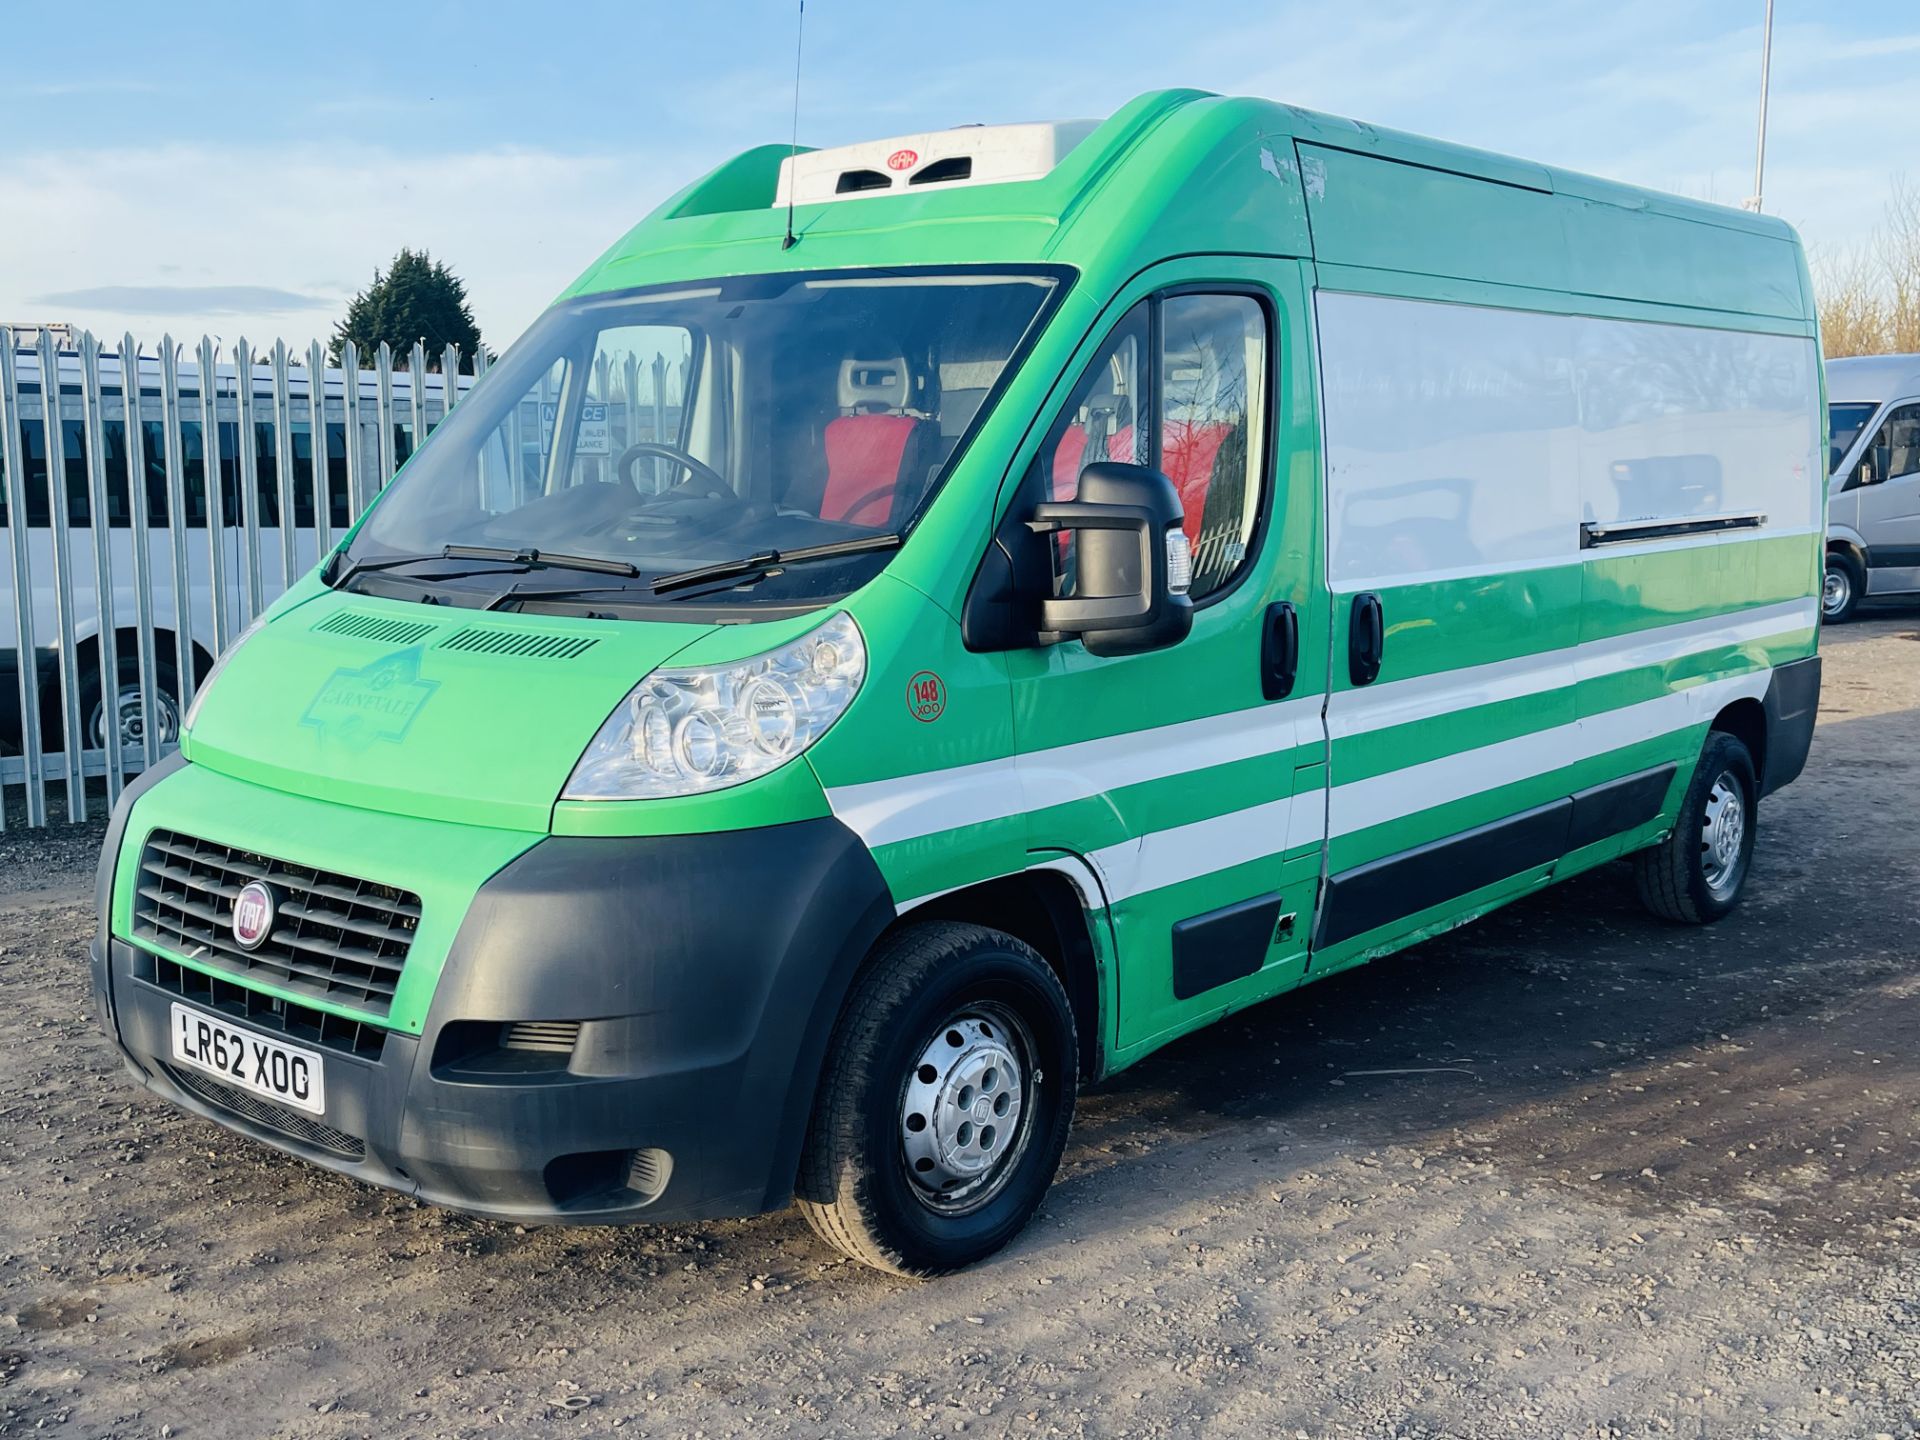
(867,386)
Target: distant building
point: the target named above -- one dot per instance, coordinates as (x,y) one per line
(65,337)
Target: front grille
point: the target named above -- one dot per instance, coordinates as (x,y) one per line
(266,1114)
(263,1012)
(334,937)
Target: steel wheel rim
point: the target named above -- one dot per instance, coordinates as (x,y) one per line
(132,715)
(1723,835)
(1837,590)
(966,1108)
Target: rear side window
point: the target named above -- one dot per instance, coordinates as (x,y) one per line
(1895,452)
(1180,385)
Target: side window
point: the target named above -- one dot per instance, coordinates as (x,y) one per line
(1179,385)
(1895,451)
(1903,440)
(1213,368)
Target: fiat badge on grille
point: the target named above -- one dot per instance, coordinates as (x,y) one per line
(253,911)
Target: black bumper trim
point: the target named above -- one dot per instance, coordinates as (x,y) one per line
(704,1023)
(1792,704)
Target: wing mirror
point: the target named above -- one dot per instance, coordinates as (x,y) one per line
(1132,562)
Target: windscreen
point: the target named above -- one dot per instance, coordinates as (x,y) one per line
(698,426)
(1844,422)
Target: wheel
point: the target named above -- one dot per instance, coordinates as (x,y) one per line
(946,1102)
(1846,582)
(130,716)
(1694,876)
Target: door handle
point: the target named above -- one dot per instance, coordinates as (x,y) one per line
(1366,639)
(1280,650)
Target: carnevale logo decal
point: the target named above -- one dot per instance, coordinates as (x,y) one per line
(357,706)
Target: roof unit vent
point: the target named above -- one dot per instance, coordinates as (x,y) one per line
(971,155)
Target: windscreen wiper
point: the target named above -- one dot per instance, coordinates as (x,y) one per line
(552,592)
(527,558)
(541,559)
(765,560)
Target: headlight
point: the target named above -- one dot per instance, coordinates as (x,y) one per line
(687,731)
(200,693)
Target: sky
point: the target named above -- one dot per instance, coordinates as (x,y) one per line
(243,169)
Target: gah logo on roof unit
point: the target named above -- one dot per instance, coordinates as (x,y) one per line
(903,159)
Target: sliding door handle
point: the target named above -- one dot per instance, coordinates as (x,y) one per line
(1280,651)
(1366,639)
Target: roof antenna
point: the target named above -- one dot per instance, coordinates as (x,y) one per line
(793,152)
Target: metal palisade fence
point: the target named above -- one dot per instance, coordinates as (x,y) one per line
(151,505)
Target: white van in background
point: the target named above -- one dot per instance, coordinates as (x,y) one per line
(1873,506)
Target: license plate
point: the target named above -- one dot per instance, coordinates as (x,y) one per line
(268,1068)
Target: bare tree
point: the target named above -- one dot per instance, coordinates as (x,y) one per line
(1869,295)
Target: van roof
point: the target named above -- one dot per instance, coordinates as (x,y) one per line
(1183,172)
(1875,379)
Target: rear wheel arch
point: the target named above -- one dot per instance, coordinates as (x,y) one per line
(1746,721)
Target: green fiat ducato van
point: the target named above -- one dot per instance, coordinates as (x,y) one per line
(919,625)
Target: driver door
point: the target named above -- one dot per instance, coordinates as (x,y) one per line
(1189,779)
(1889,500)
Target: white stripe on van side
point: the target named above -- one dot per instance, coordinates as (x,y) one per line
(1186,852)
(883,812)
(1361,804)
(1423,697)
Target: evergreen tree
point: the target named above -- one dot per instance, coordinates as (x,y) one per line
(415,298)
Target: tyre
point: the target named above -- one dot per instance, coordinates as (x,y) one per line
(129,716)
(1695,875)
(946,1102)
(1845,584)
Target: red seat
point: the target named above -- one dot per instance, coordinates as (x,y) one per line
(867,458)
(1188,451)
(1187,454)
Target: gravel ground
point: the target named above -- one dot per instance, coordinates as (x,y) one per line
(1566,1172)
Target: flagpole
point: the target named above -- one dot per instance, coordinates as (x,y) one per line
(1760,143)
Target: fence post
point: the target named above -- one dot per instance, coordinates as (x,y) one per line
(283,468)
(186,674)
(417,391)
(12,461)
(249,457)
(322,475)
(216,492)
(53,427)
(139,522)
(106,645)
(357,496)
(383,367)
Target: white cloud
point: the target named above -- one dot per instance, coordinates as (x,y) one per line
(1652,92)
(516,224)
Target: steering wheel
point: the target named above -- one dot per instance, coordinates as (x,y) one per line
(712,482)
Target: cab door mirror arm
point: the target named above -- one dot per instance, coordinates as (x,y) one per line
(1129,591)
(1132,564)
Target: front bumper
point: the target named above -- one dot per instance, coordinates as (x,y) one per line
(702,1026)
